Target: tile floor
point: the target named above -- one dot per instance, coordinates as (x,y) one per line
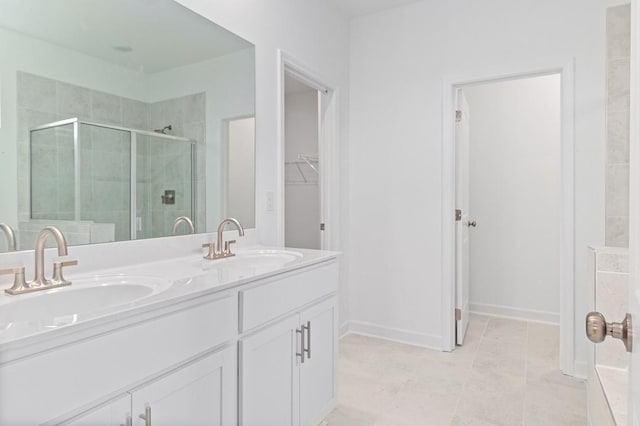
(506,374)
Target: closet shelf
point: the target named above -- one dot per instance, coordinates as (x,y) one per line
(302,171)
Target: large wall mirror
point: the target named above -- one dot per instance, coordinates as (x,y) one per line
(119,116)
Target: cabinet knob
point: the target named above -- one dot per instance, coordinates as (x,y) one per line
(597,329)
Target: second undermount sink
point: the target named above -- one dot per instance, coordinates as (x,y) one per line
(274,257)
(67,305)
(259,260)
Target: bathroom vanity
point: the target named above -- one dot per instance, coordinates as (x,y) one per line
(248,340)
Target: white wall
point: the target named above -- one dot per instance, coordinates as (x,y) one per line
(514,171)
(302,199)
(399,59)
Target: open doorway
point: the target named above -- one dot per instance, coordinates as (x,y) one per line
(302,195)
(508,193)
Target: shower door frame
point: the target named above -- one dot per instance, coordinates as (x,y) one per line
(133,140)
(565,69)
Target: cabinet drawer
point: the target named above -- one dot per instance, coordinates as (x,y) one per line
(276,296)
(66,378)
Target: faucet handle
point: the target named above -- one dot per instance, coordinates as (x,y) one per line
(58,278)
(19,283)
(212,250)
(227,247)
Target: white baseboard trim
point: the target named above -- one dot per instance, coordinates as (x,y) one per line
(517,313)
(395,334)
(580,370)
(343,330)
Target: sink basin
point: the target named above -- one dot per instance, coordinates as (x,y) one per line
(67,305)
(268,257)
(259,260)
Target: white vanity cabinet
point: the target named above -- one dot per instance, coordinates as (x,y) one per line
(147,352)
(288,365)
(113,413)
(259,353)
(190,395)
(193,395)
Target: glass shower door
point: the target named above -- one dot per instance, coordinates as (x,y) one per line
(105,177)
(164,185)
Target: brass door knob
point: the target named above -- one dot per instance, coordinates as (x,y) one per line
(598,329)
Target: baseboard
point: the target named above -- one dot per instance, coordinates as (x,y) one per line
(580,370)
(395,334)
(518,313)
(343,330)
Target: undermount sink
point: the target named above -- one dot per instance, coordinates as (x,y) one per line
(269,257)
(67,305)
(259,259)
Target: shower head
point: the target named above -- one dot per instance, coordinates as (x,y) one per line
(164,130)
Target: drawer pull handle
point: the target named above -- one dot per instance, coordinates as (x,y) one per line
(128,421)
(308,348)
(146,416)
(300,331)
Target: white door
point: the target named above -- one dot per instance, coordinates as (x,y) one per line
(462,221)
(196,395)
(112,414)
(269,376)
(317,373)
(634,310)
(634,211)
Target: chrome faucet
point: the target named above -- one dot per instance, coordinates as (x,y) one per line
(217,251)
(185,219)
(40,282)
(10,236)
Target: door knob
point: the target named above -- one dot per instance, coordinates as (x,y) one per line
(598,328)
(471,224)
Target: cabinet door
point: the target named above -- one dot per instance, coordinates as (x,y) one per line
(318,372)
(200,393)
(269,381)
(112,414)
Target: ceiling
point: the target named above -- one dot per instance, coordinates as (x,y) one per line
(147,35)
(354,8)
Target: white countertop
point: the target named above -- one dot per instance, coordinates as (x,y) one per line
(179,279)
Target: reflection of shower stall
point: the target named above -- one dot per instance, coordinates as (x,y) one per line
(138,180)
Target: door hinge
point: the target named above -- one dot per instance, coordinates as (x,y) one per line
(458,314)
(458,215)
(458,116)
(322,226)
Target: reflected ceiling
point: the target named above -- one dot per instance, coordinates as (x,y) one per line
(150,37)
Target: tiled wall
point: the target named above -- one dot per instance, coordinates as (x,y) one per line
(105,156)
(168,162)
(611,291)
(617,156)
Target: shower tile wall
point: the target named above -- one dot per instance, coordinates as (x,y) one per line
(168,162)
(617,156)
(105,155)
